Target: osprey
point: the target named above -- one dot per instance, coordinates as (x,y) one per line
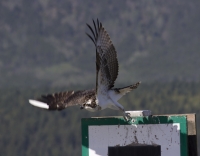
(104,95)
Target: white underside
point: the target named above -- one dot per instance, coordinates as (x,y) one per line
(39,104)
(109,100)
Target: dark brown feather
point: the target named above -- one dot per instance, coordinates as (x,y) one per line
(59,101)
(97,68)
(106,56)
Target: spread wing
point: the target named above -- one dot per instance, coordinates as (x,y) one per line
(59,101)
(106,57)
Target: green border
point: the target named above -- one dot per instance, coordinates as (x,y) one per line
(86,122)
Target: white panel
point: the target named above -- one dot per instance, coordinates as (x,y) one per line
(166,135)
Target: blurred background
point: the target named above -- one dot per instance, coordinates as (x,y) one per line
(44,49)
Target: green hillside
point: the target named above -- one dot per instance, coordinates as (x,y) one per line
(44,42)
(44,49)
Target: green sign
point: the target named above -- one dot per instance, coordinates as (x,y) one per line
(168,131)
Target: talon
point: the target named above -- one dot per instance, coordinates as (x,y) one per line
(127,117)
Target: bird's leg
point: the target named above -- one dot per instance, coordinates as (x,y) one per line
(127,116)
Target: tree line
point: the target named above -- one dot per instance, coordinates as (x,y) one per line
(26,130)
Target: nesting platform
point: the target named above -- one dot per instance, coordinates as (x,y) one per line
(175,134)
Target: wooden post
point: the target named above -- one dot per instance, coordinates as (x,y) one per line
(192,135)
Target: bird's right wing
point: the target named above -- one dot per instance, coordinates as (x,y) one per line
(106,57)
(59,101)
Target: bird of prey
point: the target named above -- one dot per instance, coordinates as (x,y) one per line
(104,95)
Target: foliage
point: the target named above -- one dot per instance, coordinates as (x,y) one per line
(44,42)
(26,130)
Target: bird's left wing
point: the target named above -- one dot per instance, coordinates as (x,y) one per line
(106,57)
(62,100)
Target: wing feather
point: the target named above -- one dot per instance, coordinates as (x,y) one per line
(90,38)
(95,28)
(106,56)
(59,101)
